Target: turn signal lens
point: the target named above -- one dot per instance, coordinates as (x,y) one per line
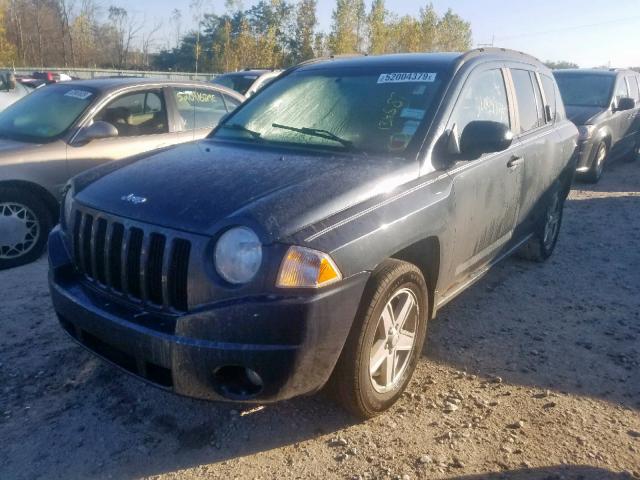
(307,268)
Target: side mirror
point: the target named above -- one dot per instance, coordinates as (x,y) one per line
(626,103)
(96,131)
(480,137)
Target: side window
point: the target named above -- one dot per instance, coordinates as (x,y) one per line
(135,114)
(484,97)
(199,108)
(526,98)
(621,90)
(231,103)
(539,106)
(633,88)
(548,86)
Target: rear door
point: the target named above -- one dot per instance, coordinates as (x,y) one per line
(537,141)
(142,122)
(634,129)
(199,110)
(486,191)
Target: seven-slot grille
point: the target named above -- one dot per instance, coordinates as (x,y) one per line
(143,265)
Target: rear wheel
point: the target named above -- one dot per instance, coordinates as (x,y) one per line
(25,222)
(599,160)
(540,247)
(385,342)
(633,156)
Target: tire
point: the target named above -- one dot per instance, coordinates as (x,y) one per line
(543,242)
(25,222)
(635,153)
(365,391)
(599,160)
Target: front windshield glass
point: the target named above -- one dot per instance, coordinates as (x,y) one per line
(366,110)
(46,114)
(585,90)
(240,82)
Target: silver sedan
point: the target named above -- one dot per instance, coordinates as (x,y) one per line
(63,129)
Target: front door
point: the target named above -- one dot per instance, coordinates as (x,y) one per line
(142,123)
(486,191)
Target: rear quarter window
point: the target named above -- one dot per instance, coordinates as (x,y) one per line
(549,87)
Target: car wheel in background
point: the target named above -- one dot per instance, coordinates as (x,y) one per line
(543,242)
(25,222)
(599,160)
(385,342)
(633,156)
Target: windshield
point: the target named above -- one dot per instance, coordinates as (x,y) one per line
(46,114)
(240,82)
(585,90)
(372,111)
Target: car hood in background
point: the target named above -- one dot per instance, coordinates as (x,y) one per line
(583,115)
(202,187)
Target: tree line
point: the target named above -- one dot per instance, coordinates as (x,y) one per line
(270,34)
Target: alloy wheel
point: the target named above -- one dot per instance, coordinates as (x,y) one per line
(552,224)
(394,340)
(19,230)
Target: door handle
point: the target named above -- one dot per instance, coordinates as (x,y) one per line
(515,161)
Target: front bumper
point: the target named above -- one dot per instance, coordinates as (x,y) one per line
(291,341)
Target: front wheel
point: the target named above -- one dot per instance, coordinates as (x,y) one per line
(385,342)
(597,167)
(25,222)
(543,242)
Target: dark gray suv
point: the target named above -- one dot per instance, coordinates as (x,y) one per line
(318,229)
(605,105)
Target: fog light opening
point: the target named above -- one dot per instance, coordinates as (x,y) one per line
(237,382)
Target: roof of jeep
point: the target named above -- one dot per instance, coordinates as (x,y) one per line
(436,60)
(110,84)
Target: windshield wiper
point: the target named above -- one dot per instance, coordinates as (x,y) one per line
(242,128)
(317,132)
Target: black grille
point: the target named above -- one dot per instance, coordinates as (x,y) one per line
(146,266)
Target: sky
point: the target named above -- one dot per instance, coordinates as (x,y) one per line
(585,32)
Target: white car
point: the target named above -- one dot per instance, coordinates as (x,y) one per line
(10,90)
(247,82)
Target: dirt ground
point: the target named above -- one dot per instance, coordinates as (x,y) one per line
(541,361)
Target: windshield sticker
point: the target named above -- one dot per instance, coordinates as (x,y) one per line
(412,113)
(409,77)
(79,94)
(398,142)
(410,127)
(419,90)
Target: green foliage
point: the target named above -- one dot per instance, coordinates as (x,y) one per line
(7,49)
(561,65)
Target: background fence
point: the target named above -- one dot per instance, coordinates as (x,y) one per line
(87,73)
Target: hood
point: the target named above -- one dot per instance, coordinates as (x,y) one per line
(583,115)
(10,146)
(204,186)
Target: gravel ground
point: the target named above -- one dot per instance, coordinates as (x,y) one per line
(534,373)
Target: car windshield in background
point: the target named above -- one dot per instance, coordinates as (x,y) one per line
(371,111)
(585,90)
(240,82)
(46,114)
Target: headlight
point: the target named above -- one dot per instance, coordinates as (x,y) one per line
(238,255)
(67,206)
(306,268)
(586,131)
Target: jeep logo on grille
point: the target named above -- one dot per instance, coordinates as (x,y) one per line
(135,199)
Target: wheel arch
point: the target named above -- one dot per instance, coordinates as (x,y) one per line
(38,191)
(424,254)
